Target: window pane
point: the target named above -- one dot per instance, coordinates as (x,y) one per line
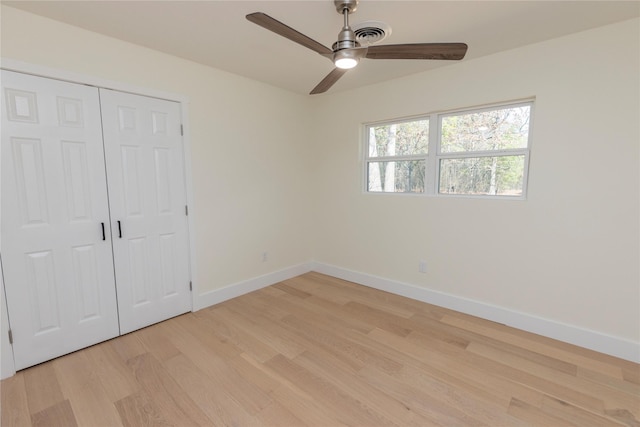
(499,175)
(397,177)
(486,130)
(399,139)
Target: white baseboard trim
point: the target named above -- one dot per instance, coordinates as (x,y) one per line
(217,296)
(603,343)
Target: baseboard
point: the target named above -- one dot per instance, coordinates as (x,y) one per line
(597,341)
(217,296)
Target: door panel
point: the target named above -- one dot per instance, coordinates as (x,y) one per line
(29,176)
(145,170)
(58,270)
(76,180)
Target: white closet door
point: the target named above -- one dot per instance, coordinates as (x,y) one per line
(145,173)
(58,265)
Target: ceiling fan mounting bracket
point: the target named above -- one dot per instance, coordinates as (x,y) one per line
(349,5)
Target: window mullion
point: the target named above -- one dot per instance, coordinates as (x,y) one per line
(396,158)
(496,153)
(431,175)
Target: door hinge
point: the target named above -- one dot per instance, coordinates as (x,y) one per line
(186,210)
(10,337)
(190,286)
(181,130)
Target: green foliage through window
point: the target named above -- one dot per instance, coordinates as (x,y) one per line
(498,175)
(399,139)
(491,130)
(406,143)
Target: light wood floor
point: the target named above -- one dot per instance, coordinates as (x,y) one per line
(318,351)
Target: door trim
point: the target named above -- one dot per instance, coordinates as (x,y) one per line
(8,367)
(6,364)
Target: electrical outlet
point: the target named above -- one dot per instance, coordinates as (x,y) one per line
(422,266)
(265,256)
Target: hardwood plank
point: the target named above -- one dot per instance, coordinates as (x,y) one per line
(154,341)
(448,382)
(585,358)
(212,399)
(14,407)
(275,311)
(347,345)
(256,372)
(81,386)
(575,415)
(208,337)
(550,386)
(111,369)
(630,388)
(292,290)
(173,404)
(454,329)
(351,292)
(313,309)
(623,416)
(140,410)
(252,320)
(334,312)
(41,385)
(306,283)
(535,416)
(225,328)
(359,389)
(435,411)
(218,370)
(303,406)
(631,374)
(443,361)
(58,415)
(379,318)
(346,409)
(127,346)
(427,327)
(277,415)
(565,387)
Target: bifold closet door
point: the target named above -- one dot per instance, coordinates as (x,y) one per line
(147,197)
(56,245)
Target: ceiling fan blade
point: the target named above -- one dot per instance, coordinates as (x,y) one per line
(328,81)
(285,31)
(453,51)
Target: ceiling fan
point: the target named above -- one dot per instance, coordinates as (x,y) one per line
(347,51)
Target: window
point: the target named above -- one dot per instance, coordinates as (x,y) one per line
(479,152)
(398,156)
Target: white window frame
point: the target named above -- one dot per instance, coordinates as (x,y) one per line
(434,153)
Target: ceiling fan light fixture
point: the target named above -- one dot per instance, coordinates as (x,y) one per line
(345,59)
(346,63)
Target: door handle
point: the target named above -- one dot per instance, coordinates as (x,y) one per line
(104,236)
(119,230)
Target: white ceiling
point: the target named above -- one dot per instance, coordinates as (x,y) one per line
(216,33)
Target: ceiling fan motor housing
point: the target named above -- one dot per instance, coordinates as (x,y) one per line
(346,40)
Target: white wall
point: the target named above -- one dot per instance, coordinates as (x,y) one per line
(570,252)
(250,173)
